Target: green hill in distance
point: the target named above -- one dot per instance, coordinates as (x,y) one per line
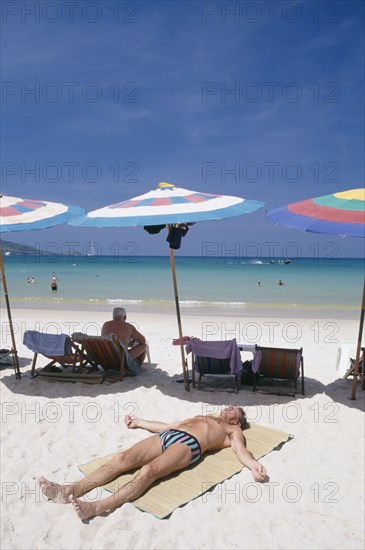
(10,248)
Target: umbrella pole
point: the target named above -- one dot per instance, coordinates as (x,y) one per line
(177,305)
(358,350)
(5,286)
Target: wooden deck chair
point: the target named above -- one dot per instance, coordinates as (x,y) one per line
(106,351)
(280,363)
(351,370)
(207,365)
(64,354)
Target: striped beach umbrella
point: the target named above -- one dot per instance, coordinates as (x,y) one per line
(341,214)
(18,214)
(168,205)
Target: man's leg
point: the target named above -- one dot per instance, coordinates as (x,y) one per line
(176,457)
(139,353)
(139,454)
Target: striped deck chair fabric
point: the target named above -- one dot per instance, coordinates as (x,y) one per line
(212,365)
(280,363)
(205,365)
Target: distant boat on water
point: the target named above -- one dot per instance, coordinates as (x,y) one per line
(287,261)
(92,250)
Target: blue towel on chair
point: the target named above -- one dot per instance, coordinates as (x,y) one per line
(132,364)
(47,344)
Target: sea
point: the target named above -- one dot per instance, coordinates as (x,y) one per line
(225,285)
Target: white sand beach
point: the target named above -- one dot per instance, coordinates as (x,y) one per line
(315,494)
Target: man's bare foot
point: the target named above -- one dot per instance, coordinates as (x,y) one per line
(54,491)
(84,510)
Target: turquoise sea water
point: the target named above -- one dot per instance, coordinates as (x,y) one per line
(219,284)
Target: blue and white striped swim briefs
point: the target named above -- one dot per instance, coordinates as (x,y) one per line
(169,437)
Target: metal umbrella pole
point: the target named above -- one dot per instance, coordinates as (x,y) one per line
(14,350)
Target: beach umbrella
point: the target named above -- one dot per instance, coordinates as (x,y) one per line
(173,207)
(340,214)
(19,214)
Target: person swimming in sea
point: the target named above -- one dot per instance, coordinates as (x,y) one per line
(54,283)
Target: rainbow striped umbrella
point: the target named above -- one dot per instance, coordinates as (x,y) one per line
(18,214)
(340,214)
(169,205)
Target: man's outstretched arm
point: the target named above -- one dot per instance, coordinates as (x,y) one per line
(150,425)
(245,457)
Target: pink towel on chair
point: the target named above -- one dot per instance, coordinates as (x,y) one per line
(219,350)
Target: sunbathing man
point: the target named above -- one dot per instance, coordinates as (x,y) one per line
(127,333)
(176,446)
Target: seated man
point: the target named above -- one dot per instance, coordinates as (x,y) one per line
(127,333)
(176,446)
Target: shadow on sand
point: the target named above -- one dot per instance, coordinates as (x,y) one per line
(217,391)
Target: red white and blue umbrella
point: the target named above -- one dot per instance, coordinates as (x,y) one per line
(169,205)
(341,214)
(18,214)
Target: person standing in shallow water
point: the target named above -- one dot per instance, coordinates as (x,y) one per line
(54,283)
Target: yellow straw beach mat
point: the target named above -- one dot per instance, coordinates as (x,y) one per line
(171,492)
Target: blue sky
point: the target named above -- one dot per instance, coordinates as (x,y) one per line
(102,100)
